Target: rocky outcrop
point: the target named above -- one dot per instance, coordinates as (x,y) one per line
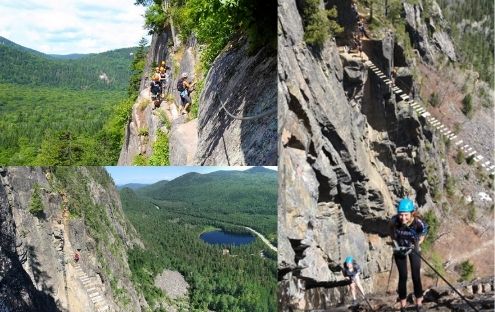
(183,142)
(245,85)
(442,298)
(427,33)
(349,149)
(146,122)
(81,211)
(239,82)
(17,289)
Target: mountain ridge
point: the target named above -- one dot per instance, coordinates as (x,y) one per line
(106,70)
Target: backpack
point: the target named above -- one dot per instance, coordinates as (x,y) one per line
(180,85)
(155,88)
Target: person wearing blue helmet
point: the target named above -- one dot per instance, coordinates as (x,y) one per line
(408,231)
(351,272)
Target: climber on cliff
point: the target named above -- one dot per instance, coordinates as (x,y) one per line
(156,90)
(408,232)
(185,88)
(360,48)
(163,75)
(351,272)
(362,30)
(393,74)
(76,256)
(355,10)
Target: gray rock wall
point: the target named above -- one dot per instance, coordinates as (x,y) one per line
(348,151)
(17,288)
(427,34)
(247,85)
(143,117)
(40,248)
(245,82)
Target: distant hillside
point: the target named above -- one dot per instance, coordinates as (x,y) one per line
(153,188)
(233,197)
(260,170)
(132,186)
(229,187)
(108,70)
(7,43)
(63,109)
(67,56)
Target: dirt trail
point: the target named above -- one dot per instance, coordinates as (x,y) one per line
(263,239)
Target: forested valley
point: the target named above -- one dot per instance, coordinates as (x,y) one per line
(472,28)
(171,215)
(65,110)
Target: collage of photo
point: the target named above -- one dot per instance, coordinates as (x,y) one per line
(247,156)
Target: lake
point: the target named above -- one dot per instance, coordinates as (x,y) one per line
(226,238)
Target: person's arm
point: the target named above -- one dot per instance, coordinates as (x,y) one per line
(346,276)
(421,239)
(422,231)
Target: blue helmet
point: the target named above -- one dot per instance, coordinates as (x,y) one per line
(348,259)
(405,205)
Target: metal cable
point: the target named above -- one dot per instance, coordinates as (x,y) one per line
(271,111)
(453,288)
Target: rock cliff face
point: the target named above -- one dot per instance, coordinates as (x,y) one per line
(145,124)
(81,211)
(17,289)
(349,150)
(427,32)
(246,86)
(244,83)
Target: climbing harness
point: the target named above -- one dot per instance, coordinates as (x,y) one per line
(450,285)
(271,111)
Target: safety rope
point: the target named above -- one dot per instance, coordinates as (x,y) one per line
(365,299)
(271,111)
(453,288)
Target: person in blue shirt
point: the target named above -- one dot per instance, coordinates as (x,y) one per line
(351,272)
(408,231)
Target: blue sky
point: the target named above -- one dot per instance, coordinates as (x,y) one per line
(147,175)
(72,26)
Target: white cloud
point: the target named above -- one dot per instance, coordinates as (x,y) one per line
(79,26)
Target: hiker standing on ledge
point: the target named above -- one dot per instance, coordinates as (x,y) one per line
(408,232)
(351,272)
(185,88)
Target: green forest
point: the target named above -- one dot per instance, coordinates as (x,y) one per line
(233,197)
(475,43)
(470,23)
(215,22)
(41,124)
(58,111)
(242,281)
(26,67)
